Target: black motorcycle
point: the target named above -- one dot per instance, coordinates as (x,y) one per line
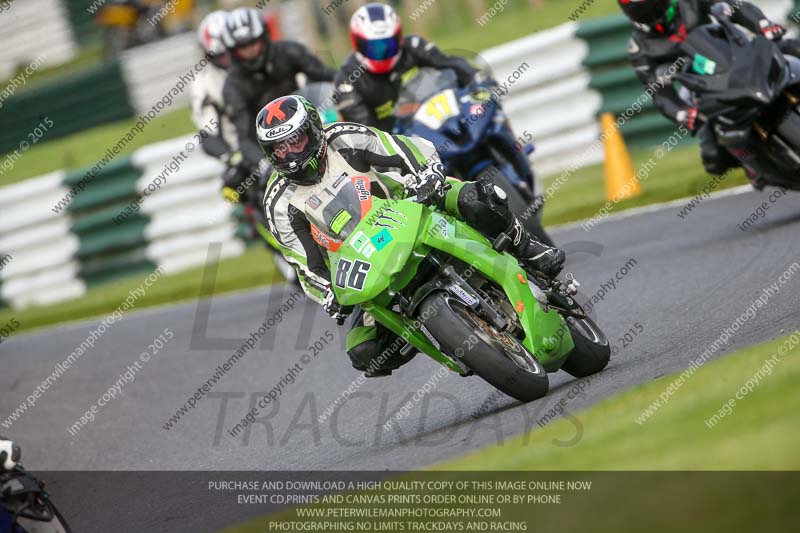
(749,92)
(25,506)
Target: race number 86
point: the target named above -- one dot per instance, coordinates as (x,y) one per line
(352,274)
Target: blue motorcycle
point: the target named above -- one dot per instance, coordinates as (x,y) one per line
(471,133)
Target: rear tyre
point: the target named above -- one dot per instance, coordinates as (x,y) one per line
(592,350)
(497,357)
(520,207)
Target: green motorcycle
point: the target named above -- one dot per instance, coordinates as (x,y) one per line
(448,292)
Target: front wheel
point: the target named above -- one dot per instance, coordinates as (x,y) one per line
(496,356)
(592,350)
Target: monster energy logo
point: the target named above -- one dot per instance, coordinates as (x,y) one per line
(313,163)
(390,219)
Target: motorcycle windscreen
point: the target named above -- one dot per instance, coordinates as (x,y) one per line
(709,51)
(747,72)
(336,211)
(420,84)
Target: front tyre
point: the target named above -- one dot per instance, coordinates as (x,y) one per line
(592,350)
(496,356)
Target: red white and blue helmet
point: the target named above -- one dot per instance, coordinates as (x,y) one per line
(209,34)
(377,37)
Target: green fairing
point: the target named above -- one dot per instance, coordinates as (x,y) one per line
(415,230)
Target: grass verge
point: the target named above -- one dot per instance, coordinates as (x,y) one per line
(678,175)
(760,433)
(252,269)
(456,29)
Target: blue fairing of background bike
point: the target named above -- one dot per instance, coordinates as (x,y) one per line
(463,141)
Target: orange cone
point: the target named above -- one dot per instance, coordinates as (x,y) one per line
(621,180)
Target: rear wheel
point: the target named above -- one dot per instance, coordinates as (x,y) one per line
(496,356)
(524,210)
(592,350)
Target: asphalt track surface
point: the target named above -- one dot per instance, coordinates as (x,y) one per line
(692,278)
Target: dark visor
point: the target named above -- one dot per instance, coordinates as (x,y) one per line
(379,49)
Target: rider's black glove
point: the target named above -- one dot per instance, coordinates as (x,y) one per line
(430,186)
(336,310)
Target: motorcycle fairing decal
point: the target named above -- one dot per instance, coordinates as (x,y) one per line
(445,227)
(390,218)
(467,298)
(382,239)
(438,109)
(352,274)
(430,336)
(703,65)
(477,110)
(362,244)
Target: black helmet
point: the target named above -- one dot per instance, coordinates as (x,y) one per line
(246,38)
(290,133)
(652,15)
